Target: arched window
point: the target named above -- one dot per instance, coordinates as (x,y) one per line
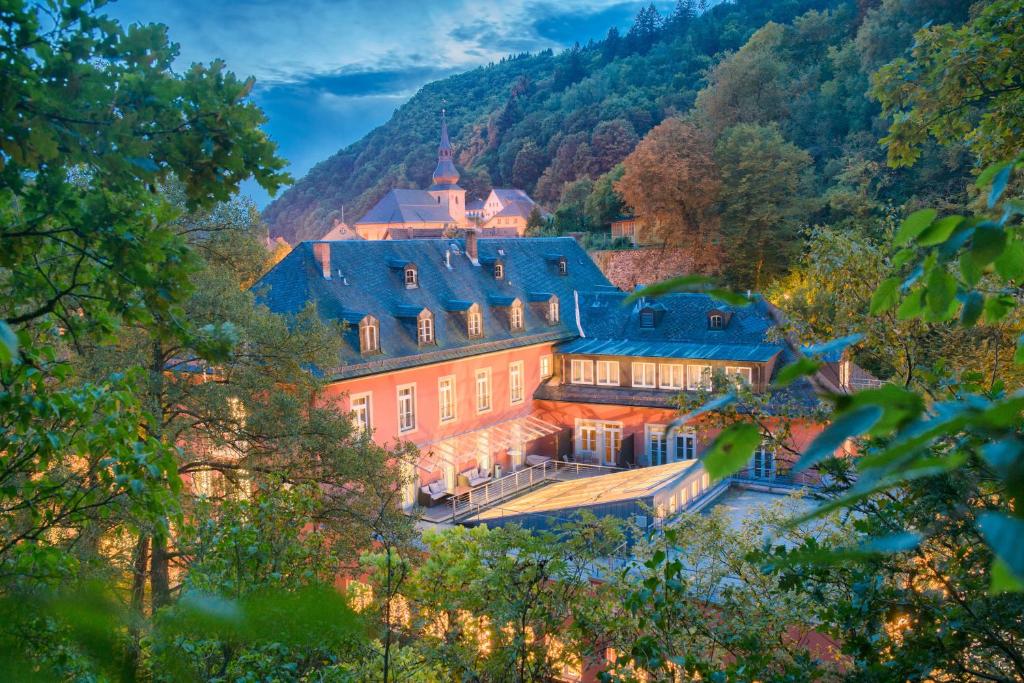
(369,335)
(715,321)
(425,328)
(474,322)
(553,310)
(411,278)
(499,271)
(515,316)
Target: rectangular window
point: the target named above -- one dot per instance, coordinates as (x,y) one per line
(657,445)
(545,366)
(698,377)
(582,371)
(739,375)
(360,405)
(446,397)
(763,463)
(608,373)
(407,408)
(644,375)
(483,390)
(588,438)
(515,382)
(686,446)
(672,376)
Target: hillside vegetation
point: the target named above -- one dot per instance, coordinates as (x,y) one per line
(543,121)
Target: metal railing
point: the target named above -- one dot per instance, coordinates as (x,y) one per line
(770,477)
(476,499)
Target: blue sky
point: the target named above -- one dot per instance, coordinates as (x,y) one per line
(329,71)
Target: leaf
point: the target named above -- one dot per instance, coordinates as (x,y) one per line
(886,296)
(1010,264)
(998,307)
(1018,355)
(685,283)
(1004,534)
(731,298)
(714,404)
(987,245)
(832,438)
(912,305)
(939,231)
(898,542)
(985,177)
(973,306)
(913,225)
(732,449)
(941,290)
(145,163)
(1003,580)
(8,343)
(1002,177)
(795,370)
(830,347)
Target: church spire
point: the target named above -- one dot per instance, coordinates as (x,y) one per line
(445,173)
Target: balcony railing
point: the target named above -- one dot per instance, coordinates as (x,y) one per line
(505,487)
(772,477)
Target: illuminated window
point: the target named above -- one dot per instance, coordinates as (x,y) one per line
(411,279)
(644,375)
(515,316)
(369,335)
(698,377)
(474,322)
(608,373)
(361,417)
(425,328)
(672,376)
(545,366)
(499,271)
(446,397)
(483,390)
(553,310)
(407,408)
(740,375)
(582,371)
(515,382)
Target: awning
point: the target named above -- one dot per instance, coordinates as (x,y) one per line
(509,435)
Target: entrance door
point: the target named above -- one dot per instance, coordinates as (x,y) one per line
(657,445)
(612,442)
(764,463)
(588,434)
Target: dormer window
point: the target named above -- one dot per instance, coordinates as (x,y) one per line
(647,318)
(716,321)
(553,310)
(474,322)
(425,328)
(411,277)
(515,316)
(563,266)
(499,270)
(369,335)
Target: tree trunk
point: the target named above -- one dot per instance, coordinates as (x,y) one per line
(141,559)
(159,574)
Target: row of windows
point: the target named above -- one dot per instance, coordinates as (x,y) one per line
(361,405)
(411,275)
(651,375)
(369,327)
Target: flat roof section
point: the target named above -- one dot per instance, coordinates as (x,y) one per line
(635,484)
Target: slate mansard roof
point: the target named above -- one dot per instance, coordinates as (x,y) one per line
(612,327)
(366,280)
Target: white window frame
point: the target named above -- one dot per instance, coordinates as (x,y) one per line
(667,378)
(608,373)
(446,386)
(485,375)
(516,382)
(553,314)
(499,271)
(645,382)
(425,329)
(515,317)
(411,277)
(745,374)
(698,377)
(690,443)
(719,325)
(650,430)
(369,337)
(547,364)
(581,371)
(474,324)
(593,429)
(403,427)
(366,398)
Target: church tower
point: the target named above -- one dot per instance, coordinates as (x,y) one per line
(446,188)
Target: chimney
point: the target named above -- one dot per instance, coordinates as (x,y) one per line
(471,238)
(322,253)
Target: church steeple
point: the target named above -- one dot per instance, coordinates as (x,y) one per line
(445,173)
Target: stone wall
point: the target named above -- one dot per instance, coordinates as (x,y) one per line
(631,267)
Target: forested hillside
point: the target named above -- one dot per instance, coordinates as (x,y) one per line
(543,121)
